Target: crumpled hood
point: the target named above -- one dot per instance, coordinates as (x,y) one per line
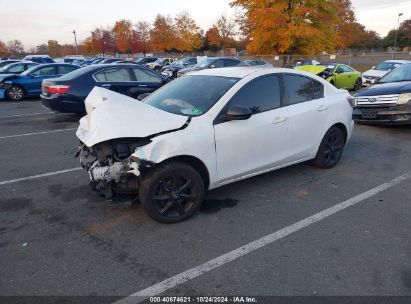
(7,76)
(111,115)
(313,69)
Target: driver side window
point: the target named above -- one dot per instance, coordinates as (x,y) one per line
(47,71)
(339,69)
(260,95)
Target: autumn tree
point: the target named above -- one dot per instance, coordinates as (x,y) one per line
(163,34)
(15,48)
(3,50)
(188,33)
(227,30)
(403,35)
(102,41)
(42,49)
(54,48)
(142,29)
(123,35)
(290,26)
(214,40)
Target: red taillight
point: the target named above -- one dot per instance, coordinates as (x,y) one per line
(351,100)
(58,89)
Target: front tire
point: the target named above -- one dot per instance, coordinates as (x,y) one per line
(331,149)
(171,192)
(357,84)
(15,93)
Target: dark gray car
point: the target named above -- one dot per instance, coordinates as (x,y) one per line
(211,63)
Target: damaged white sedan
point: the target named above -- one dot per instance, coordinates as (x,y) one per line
(208,129)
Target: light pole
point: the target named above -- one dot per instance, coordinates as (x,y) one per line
(75,39)
(396,34)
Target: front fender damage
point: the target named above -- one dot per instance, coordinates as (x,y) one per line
(114,167)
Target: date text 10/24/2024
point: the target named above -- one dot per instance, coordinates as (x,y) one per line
(203,299)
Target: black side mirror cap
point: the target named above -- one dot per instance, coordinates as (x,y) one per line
(237,113)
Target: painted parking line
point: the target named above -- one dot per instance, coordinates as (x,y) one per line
(228,257)
(31,114)
(37,133)
(11,181)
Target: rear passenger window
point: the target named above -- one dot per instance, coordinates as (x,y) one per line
(262,94)
(300,89)
(113,75)
(146,76)
(18,68)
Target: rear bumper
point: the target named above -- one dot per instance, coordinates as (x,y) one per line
(59,104)
(399,114)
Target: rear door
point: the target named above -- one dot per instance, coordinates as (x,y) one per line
(306,115)
(256,144)
(117,79)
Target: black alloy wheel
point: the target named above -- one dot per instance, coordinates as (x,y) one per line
(357,84)
(172,192)
(331,149)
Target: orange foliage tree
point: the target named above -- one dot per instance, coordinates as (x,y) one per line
(188,33)
(214,39)
(163,34)
(3,49)
(123,35)
(291,26)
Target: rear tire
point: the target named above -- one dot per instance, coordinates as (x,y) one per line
(331,149)
(171,192)
(15,93)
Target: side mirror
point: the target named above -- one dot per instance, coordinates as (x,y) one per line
(238,113)
(142,96)
(185,63)
(212,66)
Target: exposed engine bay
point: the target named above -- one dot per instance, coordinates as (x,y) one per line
(111,167)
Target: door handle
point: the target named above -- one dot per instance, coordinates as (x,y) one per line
(322,108)
(279,120)
(106,85)
(143,85)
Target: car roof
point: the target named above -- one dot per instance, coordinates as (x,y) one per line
(244,71)
(398,61)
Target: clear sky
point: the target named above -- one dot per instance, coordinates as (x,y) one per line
(36,21)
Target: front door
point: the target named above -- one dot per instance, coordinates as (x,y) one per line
(248,146)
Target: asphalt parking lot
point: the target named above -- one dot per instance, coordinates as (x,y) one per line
(58,238)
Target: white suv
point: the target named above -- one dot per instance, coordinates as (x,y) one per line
(208,129)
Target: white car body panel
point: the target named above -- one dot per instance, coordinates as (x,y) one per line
(113,115)
(231,150)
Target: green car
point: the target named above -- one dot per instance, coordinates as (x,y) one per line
(340,75)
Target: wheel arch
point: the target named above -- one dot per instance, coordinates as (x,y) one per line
(196,163)
(343,129)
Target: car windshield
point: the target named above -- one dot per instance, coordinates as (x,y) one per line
(402,73)
(4,68)
(190,95)
(204,63)
(386,66)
